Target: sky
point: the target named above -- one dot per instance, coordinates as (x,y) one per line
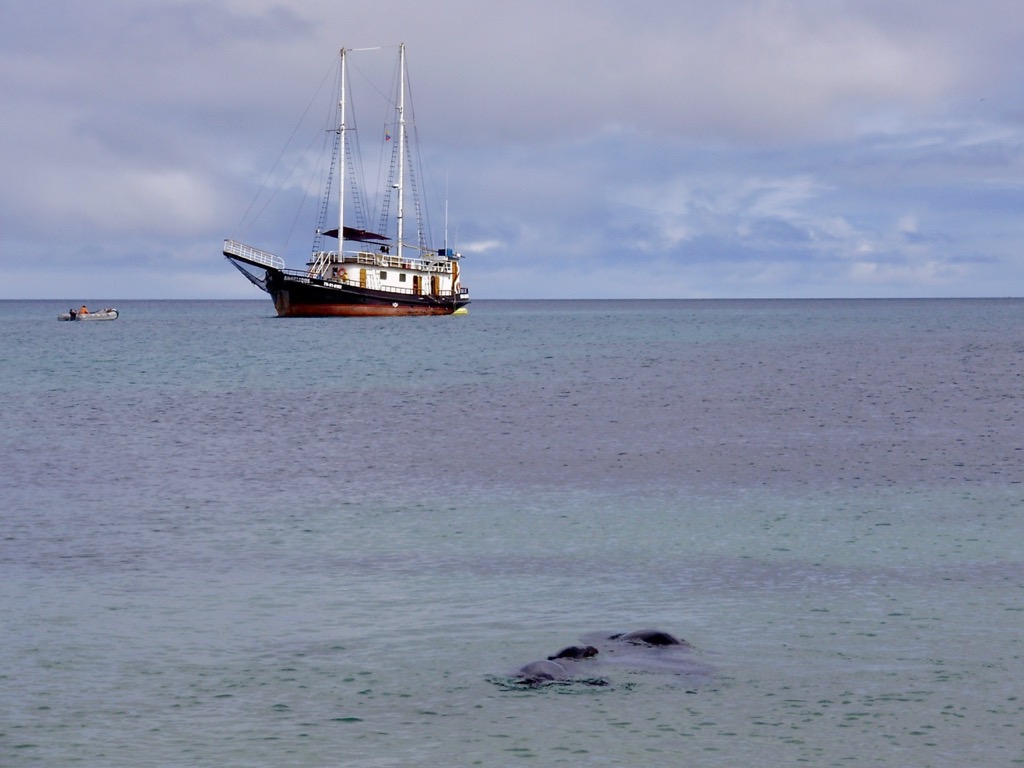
(587,148)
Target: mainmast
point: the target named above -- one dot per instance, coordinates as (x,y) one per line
(401,147)
(341,163)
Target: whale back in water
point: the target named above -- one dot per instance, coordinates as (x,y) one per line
(652,651)
(642,651)
(654,637)
(540,672)
(575,652)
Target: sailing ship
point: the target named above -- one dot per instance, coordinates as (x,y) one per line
(371,273)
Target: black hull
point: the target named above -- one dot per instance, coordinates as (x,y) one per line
(301,296)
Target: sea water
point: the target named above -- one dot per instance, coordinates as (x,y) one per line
(230,539)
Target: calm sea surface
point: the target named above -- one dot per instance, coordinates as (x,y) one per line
(230,539)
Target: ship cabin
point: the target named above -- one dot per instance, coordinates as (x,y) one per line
(437,275)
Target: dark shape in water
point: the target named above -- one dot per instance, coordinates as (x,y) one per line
(575,652)
(540,672)
(642,651)
(653,637)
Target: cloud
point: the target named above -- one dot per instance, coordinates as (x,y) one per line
(655,148)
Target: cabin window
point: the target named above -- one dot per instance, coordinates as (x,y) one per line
(401,277)
(383,275)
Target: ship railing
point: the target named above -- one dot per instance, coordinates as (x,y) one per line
(252,255)
(319,264)
(320,260)
(370,259)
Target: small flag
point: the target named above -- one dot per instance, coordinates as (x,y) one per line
(387,135)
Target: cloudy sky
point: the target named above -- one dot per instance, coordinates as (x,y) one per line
(592,149)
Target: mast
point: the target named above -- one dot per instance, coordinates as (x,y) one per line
(341,164)
(401,147)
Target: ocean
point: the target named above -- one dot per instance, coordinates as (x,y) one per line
(230,539)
